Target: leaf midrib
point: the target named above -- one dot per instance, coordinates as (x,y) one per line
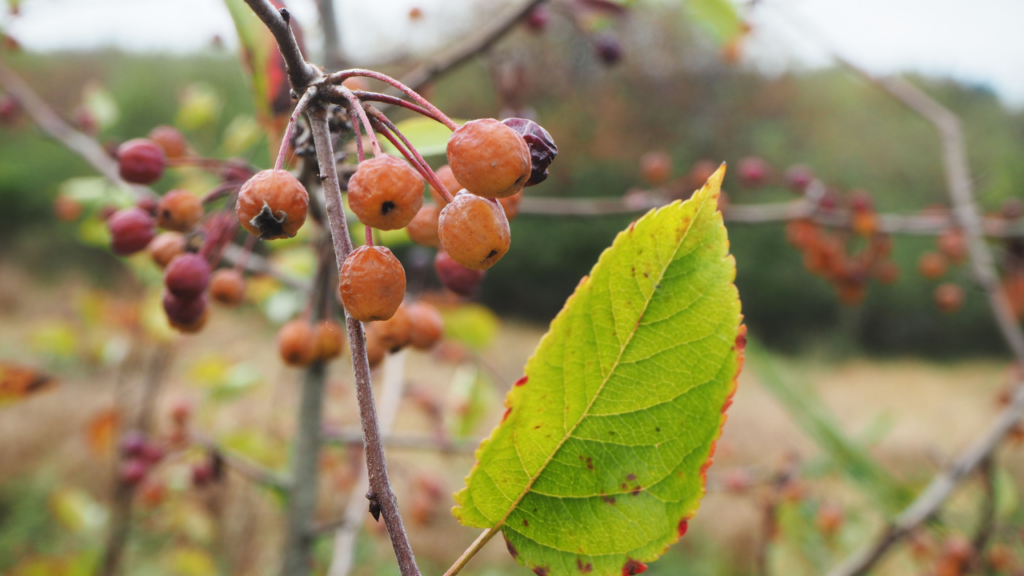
(611,372)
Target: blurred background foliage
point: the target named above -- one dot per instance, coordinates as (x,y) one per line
(603,120)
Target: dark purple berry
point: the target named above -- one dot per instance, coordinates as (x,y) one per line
(133,471)
(131,230)
(187,275)
(184,311)
(542,147)
(455,276)
(152,453)
(141,161)
(132,443)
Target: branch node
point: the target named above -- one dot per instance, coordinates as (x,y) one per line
(286,15)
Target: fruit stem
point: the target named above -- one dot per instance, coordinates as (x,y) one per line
(308,95)
(339,77)
(360,154)
(394,101)
(369,236)
(221,190)
(409,151)
(355,105)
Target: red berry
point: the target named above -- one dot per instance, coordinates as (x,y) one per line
(149,204)
(179,210)
(132,443)
(656,167)
(932,265)
(474,231)
(133,471)
(489,158)
(202,474)
(272,205)
(165,247)
(949,297)
(753,171)
(141,161)
(608,49)
(8,109)
(371,283)
(541,144)
(455,276)
(427,326)
(170,140)
(385,193)
(227,286)
(861,201)
(538,18)
(131,230)
(184,312)
(152,453)
(798,177)
(296,342)
(187,276)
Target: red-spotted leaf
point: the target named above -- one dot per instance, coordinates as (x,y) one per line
(601,458)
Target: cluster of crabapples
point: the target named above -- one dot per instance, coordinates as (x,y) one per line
(489,163)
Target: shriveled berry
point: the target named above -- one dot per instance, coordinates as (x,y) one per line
(184,311)
(179,210)
(395,332)
(511,205)
(427,325)
(227,286)
(131,230)
(187,275)
(932,265)
(371,284)
(385,193)
(474,231)
(798,177)
(541,144)
(141,161)
(455,276)
(656,167)
(165,247)
(272,205)
(133,471)
(329,340)
(170,140)
(753,171)
(608,49)
(489,158)
(375,350)
(423,228)
(447,178)
(949,297)
(296,342)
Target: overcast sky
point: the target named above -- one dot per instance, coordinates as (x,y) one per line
(977,41)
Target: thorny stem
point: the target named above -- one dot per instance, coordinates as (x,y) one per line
(380,485)
(339,77)
(286,141)
(354,105)
(410,152)
(475,547)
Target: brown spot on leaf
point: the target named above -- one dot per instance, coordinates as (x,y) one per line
(609,500)
(631,477)
(633,567)
(526,522)
(584,568)
(684,525)
(511,548)
(636,490)
(540,570)
(590,464)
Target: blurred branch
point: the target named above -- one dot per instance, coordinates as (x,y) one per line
(426,72)
(987,518)
(85,146)
(343,556)
(257,264)
(766,213)
(245,467)
(333,58)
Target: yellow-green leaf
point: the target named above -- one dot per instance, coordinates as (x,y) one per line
(602,455)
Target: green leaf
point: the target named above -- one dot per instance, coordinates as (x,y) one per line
(717,16)
(475,325)
(601,458)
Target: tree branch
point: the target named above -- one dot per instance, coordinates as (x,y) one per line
(380,485)
(51,123)
(245,467)
(300,73)
(406,442)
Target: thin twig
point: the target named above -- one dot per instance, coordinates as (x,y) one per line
(300,73)
(256,264)
(248,469)
(300,107)
(85,146)
(380,485)
(987,517)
